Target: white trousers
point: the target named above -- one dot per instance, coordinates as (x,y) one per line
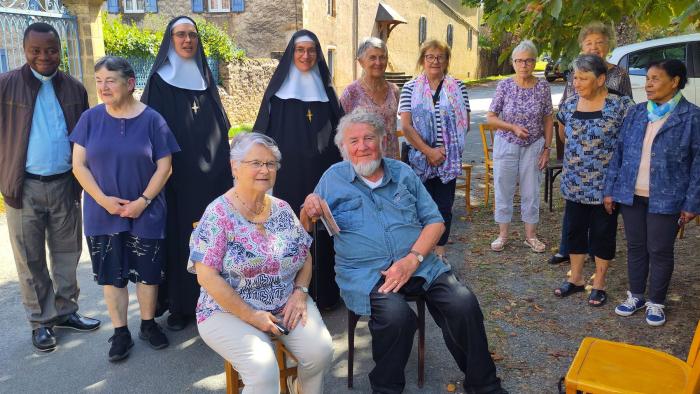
(251,353)
(513,164)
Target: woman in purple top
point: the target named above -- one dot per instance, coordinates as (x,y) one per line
(522,111)
(373,91)
(121,156)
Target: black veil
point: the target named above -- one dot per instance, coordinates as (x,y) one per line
(280,74)
(199,58)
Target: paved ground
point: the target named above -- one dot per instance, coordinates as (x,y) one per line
(508,285)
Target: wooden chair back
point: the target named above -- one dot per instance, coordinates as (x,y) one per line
(488,134)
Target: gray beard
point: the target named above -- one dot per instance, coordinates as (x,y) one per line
(367,169)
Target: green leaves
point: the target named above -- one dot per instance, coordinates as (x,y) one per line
(554,24)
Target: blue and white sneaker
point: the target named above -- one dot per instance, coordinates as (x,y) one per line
(655,314)
(631,305)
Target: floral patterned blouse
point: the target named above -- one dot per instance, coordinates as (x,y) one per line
(525,107)
(355,96)
(259,266)
(591,138)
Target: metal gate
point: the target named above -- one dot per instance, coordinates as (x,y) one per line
(16,15)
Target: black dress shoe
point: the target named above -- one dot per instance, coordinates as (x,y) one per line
(80,323)
(558,259)
(44,339)
(177,321)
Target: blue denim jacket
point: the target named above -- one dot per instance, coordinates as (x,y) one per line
(674,178)
(377,227)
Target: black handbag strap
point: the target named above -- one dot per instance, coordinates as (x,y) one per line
(436,95)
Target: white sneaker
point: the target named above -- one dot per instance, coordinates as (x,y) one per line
(655,314)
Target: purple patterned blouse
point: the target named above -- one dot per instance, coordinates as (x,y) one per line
(355,96)
(260,267)
(525,107)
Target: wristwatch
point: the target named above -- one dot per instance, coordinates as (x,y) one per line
(303,289)
(148,200)
(418,255)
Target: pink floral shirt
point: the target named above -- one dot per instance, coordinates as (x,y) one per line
(260,267)
(355,96)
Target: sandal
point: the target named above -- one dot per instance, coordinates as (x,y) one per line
(535,244)
(567,288)
(597,295)
(498,244)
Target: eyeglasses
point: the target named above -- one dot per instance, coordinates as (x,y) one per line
(433,58)
(528,62)
(258,165)
(309,52)
(182,34)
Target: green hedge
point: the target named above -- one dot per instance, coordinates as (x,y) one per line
(128,40)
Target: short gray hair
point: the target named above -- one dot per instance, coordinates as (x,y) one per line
(242,143)
(590,63)
(360,115)
(369,43)
(525,46)
(597,27)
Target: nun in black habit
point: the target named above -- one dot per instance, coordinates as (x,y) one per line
(300,111)
(181,88)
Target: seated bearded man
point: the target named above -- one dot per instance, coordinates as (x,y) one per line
(389,226)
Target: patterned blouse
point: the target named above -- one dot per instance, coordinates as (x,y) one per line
(355,96)
(591,138)
(260,267)
(616,79)
(525,107)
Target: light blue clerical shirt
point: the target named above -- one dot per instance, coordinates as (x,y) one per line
(48,152)
(378,226)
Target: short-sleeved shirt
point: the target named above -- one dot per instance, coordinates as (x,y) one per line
(378,226)
(525,107)
(259,266)
(121,155)
(405,106)
(591,138)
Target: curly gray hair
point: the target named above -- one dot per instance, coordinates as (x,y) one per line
(364,116)
(242,143)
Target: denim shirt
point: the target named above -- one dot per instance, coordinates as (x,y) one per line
(377,227)
(674,177)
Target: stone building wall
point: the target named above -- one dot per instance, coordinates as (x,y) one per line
(336,32)
(243,84)
(91,42)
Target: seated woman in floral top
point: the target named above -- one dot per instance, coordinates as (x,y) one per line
(592,120)
(251,257)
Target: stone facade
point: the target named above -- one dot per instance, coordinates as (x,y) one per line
(91,42)
(337,32)
(244,83)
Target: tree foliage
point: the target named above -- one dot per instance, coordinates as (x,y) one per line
(554,24)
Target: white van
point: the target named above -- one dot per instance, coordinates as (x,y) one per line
(635,57)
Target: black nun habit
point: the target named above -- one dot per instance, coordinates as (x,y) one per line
(201,171)
(304,131)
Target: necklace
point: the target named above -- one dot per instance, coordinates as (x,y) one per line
(255,213)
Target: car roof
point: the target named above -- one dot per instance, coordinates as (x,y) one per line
(619,52)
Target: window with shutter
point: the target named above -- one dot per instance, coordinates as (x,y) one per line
(134,6)
(470,38)
(219,5)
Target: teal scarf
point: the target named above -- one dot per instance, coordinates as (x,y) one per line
(656,112)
